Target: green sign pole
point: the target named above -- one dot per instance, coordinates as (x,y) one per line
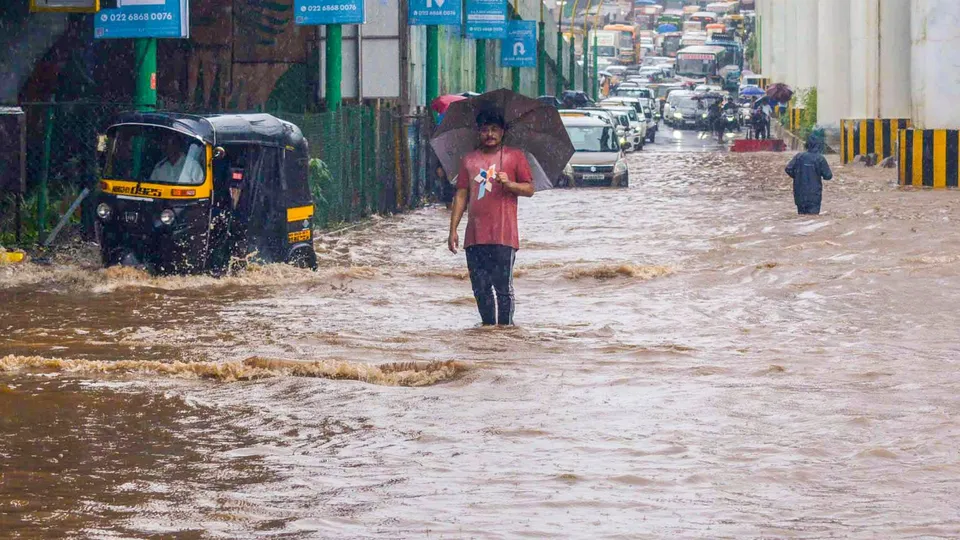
(596,70)
(559,61)
(145,90)
(586,60)
(334,66)
(433,63)
(572,76)
(481,84)
(541,58)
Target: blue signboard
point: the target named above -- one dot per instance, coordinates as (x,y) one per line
(519,49)
(316,12)
(439,12)
(486,19)
(144,19)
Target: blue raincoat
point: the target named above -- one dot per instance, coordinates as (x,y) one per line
(808,170)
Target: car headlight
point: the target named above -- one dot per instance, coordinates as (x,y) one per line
(167,217)
(104,211)
(620,168)
(568,170)
(678,116)
(704,115)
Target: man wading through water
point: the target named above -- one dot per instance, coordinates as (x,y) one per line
(491,178)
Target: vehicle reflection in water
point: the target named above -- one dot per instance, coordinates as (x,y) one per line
(693,360)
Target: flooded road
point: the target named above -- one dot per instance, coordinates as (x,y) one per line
(693,360)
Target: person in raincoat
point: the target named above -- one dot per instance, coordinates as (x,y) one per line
(808,170)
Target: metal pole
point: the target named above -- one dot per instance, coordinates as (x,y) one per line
(596,74)
(145,53)
(43,195)
(541,55)
(586,58)
(596,70)
(481,84)
(572,78)
(559,89)
(515,72)
(334,66)
(433,64)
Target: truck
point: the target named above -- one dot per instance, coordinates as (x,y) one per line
(607,44)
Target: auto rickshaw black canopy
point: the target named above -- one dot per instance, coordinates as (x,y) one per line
(223,128)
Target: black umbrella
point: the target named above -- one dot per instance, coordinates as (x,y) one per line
(533,126)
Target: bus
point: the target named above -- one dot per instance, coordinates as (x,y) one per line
(734,48)
(702,62)
(670,44)
(704,18)
(628,52)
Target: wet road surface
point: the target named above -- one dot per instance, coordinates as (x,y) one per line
(693,360)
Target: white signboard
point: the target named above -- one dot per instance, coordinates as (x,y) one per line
(68,6)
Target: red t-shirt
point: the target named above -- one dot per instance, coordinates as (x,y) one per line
(493,209)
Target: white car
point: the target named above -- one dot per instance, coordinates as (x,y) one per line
(638,128)
(645,113)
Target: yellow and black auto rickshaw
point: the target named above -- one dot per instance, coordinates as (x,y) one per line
(188,194)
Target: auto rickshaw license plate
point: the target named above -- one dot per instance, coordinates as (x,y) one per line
(130,217)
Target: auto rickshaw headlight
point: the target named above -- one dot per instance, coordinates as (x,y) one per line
(167,216)
(104,211)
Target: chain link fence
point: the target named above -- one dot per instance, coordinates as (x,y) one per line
(366,159)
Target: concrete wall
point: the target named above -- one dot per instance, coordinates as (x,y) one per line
(935,64)
(895,52)
(833,64)
(864,59)
(807,24)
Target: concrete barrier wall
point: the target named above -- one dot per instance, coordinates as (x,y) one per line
(930,158)
(860,137)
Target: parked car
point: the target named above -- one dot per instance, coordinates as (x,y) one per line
(599,158)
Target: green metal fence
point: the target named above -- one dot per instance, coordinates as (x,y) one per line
(366,160)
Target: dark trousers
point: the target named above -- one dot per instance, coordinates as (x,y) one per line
(491,274)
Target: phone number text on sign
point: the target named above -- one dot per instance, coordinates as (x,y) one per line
(339,7)
(136,17)
(319,12)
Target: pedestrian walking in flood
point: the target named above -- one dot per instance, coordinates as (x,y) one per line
(808,170)
(491,179)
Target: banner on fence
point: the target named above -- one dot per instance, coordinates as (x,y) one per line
(320,12)
(144,19)
(519,49)
(486,19)
(438,12)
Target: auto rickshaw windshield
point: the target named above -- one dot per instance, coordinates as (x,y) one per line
(154,154)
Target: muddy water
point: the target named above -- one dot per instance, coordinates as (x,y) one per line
(693,361)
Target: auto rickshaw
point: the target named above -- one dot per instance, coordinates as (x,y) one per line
(188,194)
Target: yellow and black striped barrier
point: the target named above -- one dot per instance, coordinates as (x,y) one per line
(930,158)
(874,136)
(796,116)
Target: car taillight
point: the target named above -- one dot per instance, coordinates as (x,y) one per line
(183,192)
(104,186)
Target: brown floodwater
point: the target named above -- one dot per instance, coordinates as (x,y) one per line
(693,360)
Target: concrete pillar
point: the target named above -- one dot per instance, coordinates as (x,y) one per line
(766,41)
(778,24)
(894,79)
(807,46)
(833,65)
(790,51)
(935,64)
(864,58)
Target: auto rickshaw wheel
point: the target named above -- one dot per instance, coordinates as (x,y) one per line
(303,258)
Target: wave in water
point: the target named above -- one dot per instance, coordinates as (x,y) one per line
(391,374)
